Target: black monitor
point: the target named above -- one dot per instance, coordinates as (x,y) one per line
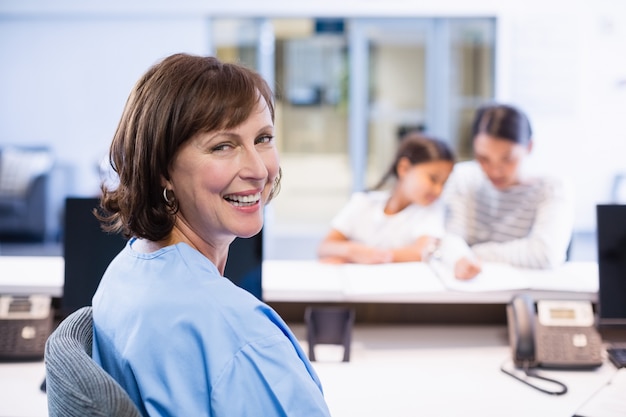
(611,239)
(88,250)
(245,262)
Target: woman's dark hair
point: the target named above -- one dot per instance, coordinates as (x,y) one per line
(417,148)
(177,98)
(502,121)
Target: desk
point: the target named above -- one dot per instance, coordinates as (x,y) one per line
(26,275)
(407,370)
(443,371)
(310,281)
(20,395)
(400,371)
(416,282)
(290,285)
(415,292)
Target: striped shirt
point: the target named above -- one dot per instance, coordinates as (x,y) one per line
(528,225)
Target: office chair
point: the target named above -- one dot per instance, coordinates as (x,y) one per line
(329,325)
(76,385)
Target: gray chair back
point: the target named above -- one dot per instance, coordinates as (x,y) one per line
(76,385)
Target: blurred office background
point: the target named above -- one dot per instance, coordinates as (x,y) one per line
(349,77)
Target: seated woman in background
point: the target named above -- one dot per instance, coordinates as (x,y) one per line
(400,224)
(502,212)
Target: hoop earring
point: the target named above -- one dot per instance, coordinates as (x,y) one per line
(276,186)
(167,200)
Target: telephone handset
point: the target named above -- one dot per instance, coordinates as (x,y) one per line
(521,317)
(555,334)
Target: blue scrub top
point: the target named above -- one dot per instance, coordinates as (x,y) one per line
(184,341)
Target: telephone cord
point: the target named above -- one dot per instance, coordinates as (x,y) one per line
(530,374)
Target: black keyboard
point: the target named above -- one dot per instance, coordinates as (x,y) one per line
(617,356)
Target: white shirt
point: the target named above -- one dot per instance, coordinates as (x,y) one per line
(364,220)
(528,225)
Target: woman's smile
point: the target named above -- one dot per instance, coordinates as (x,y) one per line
(246,200)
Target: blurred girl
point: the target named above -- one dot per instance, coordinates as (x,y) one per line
(399,224)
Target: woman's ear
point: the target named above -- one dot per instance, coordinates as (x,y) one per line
(403,166)
(165,183)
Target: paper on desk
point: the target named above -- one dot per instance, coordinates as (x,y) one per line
(609,401)
(493,277)
(391,278)
(572,276)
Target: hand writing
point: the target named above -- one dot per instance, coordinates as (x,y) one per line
(466,268)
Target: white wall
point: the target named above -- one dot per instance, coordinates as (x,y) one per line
(567,68)
(66,68)
(64,80)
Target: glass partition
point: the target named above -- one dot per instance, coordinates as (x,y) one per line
(311,76)
(421,74)
(472,76)
(396,87)
(235,40)
(346,89)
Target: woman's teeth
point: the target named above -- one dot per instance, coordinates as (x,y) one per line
(243,200)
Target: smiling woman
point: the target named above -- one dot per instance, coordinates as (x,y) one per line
(197,163)
(221,181)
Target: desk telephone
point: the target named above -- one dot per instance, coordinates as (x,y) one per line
(557,334)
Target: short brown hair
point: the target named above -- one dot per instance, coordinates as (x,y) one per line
(177,98)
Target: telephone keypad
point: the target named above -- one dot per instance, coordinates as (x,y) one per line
(568,346)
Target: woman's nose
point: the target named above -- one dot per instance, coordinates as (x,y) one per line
(494,170)
(254,165)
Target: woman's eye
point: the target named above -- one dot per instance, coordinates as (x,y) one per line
(265,139)
(221,147)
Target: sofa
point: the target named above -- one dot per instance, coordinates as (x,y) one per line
(24,182)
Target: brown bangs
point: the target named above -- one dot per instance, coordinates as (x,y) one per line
(237,93)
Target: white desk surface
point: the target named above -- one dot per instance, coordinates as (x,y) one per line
(311,281)
(394,371)
(444,371)
(43,275)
